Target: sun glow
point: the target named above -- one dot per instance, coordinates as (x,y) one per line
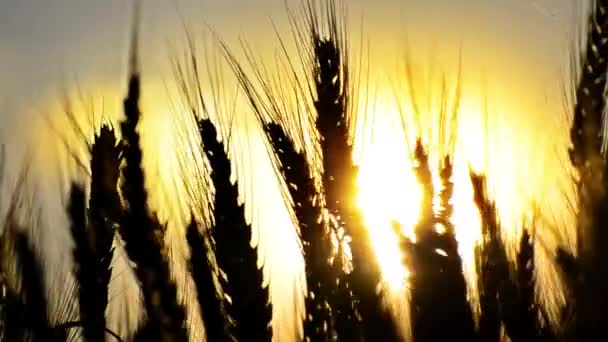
(389,192)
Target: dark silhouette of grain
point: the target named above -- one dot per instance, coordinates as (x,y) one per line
(330,75)
(210,305)
(142,233)
(105,207)
(92,307)
(250,304)
(433,260)
(588,287)
(33,290)
(314,233)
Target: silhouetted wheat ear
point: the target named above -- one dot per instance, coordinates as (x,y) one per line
(143,234)
(331,80)
(330,75)
(211,305)
(572,275)
(422,170)
(104,212)
(433,304)
(344,304)
(105,207)
(433,260)
(33,290)
(570,269)
(338,168)
(521,312)
(92,307)
(487,268)
(446,209)
(250,305)
(314,233)
(525,276)
(489,318)
(514,288)
(586,131)
(13,314)
(444,214)
(13,317)
(526,280)
(591,288)
(586,136)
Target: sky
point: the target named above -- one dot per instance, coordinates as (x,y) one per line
(46,43)
(52,45)
(518,49)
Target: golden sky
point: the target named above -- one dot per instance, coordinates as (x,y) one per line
(46,42)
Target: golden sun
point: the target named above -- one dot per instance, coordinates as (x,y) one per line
(389,192)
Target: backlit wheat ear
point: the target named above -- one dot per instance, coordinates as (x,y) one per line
(33,290)
(250,304)
(586,131)
(211,306)
(315,237)
(94,237)
(587,136)
(422,170)
(86,271)
(446,209)
(526,280)
(433,259)
(507,293)
(322,316)
(14,324)
(489,319)
(488,270)
(142,233)
(330,75)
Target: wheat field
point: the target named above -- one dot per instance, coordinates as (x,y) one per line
(301,185)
